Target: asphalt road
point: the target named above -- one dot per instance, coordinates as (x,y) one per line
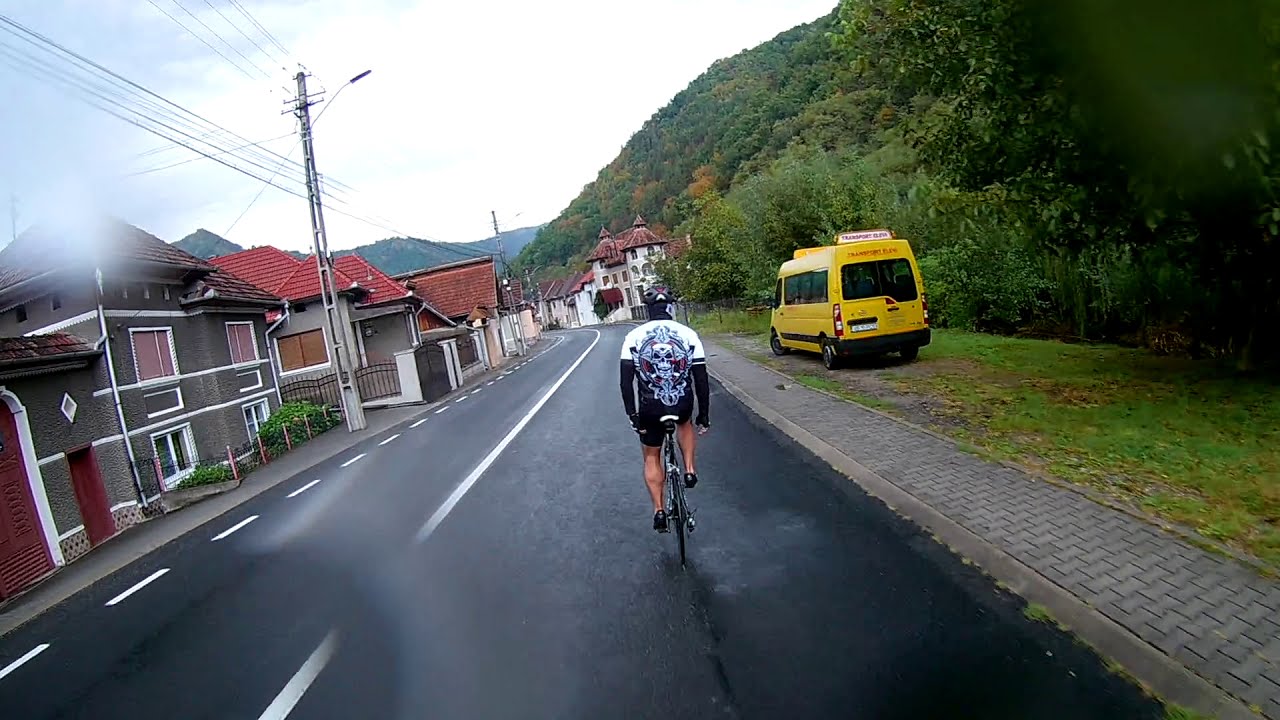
(452,569)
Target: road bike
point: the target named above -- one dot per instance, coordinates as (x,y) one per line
(678,510)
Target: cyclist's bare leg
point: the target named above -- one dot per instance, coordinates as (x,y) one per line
(653,475)
(688,438)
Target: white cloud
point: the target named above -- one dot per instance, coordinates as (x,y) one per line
(507,105)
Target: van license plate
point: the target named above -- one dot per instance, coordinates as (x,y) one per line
(864,327)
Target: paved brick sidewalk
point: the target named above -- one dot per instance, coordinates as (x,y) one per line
(1213,615)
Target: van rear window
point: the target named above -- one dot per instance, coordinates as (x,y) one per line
(879,278)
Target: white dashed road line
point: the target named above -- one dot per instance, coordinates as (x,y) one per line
(490,382)
(477,390)
(150,579)
(353,460)
(23,660)
(464,397)
(227,533)
(418,423)
(284,703)
(446,407)
(303,489)
(443,511)
(393,437)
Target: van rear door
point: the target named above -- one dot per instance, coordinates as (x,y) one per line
(880,297)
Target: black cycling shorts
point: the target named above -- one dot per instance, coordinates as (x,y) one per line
(650,426)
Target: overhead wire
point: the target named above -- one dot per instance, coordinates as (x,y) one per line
(218,35)
(244,34)
(262,29)
(206,43)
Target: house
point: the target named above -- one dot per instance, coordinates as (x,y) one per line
(465,293)
(378,315)
(123,362)
(624,267)
(579,300)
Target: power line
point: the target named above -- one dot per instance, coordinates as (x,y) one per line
(218,35)
(191,160)
(261,190)
(242,32)
(265,33)
(206,42)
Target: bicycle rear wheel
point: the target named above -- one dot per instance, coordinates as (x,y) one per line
(675,490)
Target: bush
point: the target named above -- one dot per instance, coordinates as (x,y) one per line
(296,416)
(207,475)
(990,285)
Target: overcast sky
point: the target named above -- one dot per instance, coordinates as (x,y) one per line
(505,105)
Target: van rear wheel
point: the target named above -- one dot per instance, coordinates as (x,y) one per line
(830,358)
(775,344)
(909,354)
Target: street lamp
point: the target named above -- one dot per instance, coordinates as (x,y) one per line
(345,85)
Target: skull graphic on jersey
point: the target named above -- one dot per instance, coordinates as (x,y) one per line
(662,361)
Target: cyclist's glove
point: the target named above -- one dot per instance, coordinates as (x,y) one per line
(702,421)
(635,421)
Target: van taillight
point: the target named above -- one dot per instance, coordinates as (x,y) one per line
(925,305)
(835,314)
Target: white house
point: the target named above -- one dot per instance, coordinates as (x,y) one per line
(623,266)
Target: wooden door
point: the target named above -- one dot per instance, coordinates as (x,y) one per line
(24,557)
(91,495)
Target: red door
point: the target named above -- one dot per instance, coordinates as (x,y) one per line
(23,555)
(91,495)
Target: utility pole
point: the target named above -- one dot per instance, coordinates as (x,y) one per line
(506,281)
(352,409)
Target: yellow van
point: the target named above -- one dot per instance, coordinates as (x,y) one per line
(861,296)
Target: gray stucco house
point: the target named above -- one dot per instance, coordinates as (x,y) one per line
(123,361)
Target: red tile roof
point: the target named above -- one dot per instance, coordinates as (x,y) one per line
(44,248)
(380,286)
(304,282)
(14,350)
(455,289)
(610,249)
(580,281)
(266,267)
(224,285)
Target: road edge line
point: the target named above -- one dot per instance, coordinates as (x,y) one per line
(1171,680)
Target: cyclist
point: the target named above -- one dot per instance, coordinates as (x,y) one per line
(667,362)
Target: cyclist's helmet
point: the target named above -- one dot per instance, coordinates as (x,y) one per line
(657,296)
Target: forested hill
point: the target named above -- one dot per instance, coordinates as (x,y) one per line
(732,120)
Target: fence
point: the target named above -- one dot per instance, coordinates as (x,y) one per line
(433,371)
(378,381)
(235,461)
(322,391)
(467,355)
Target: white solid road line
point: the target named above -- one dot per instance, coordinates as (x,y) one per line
(150,579)
(443,511)
(23,660)
(353,460)
(284,703)
(418,423)
(227,533)
(393,437)
(303,489)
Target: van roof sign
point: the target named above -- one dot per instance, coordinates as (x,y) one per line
(864,235)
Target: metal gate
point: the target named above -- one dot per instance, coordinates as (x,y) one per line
(319,390)
(376,381)
(23,555)
(433,371)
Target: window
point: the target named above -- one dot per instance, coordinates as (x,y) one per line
(304,350)
(55,301)
(633,254)
(146,292)
(153,353)
(163,402)
(777,294)
(21,312)
(176,451)
(167,296)
(124,292)
(624,277)
(255,415)
(648,268)
(879,278)
(806,288)
(630,302)
(615,278)
(244,348)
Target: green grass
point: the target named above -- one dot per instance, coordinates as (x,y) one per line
(1192,441)
(1173,711)
(735,322)
(1036,612)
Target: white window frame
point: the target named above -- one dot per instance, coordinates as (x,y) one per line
(255,404)
(180,406)
(252,336)
(328,353)
(187,437)
(167,295)
(173,355)
(258,372)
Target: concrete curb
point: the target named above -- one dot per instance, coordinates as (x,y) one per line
(1170,680)
(1186,534)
